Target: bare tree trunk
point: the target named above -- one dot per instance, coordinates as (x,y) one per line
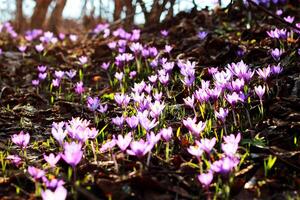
(39,14)
(130,12)
(56,16)
(83,11)
(171,10)
(118,9)
(19,16)
(157,8)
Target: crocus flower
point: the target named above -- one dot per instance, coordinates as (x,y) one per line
(164,33)
(15,159)
(35,172)
(264,73)
(119,76)
(53,183)
(206,178)
(21,139)
(132,121)
(79,89)
(108,145)
(156,109)
(197,128)
(58,132)
(195,150)
(71,74)
(276,69)
(233,98)
(118,121)
(93,103)
(52,159)
(189,101)
(279,12)
(168,48)
(42,68)
(123,142)
(222,114)
(224,165)
(73,37)
(260,91)
(207,144)
(83,60)
(42,76)
(102,108)
(72,153)
(230,149)
(105,65)
(55,82)
(276,53)
(22,48)
(166,133)
(39,48)
(139,148)
(152,139)
(289,19)
(35,82)
(147,124)
(59,74)
(60,193)
(202,35)
(232,138)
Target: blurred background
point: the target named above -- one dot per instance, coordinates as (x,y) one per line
(64,15)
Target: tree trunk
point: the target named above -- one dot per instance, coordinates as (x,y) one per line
(19,16)
(39,14)
(130,12)
(171,10)
(56,16)
(118,9)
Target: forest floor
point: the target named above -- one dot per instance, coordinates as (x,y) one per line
(233,35)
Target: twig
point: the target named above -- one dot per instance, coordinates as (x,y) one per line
(293,25)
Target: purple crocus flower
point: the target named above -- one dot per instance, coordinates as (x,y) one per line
(35,172)
(55,82)
(194,128)
(147,124)
(79,89)
(153,139)
(83,60)
(93,103)
(123,142)
(279,12)
(60,193)
(122,99)
(224,166)
(156,109)
(71,74)
(276,53)
(276,69)
(118,121)
(119,75)
(35,82)
(260,91)
(58,132)
(233,98)
(42,68)
(102,108)
(264,73)
(230,149)
(164,33)
(289,19)
(195,150)
(201,95)
(39,48)
(168,48)
(42,76)
(72,153)
(59,74)
(21,139)
(53,183)
(22,48)
(166,133)
(108,145)
(132,121)
(202,35)
(105,65)
(73,37)
(52,159)
(222,114)
(15,159)
(189,101)
(206,178)
(139,148)
(207,144)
